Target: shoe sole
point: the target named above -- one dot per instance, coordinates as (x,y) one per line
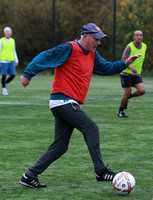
(25,184)
(121,116)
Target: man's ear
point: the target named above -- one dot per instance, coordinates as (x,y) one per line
(85,35)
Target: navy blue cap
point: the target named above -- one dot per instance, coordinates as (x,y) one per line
(93,30)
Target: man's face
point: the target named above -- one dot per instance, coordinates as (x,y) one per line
(91,43)
(138,36)
(8,33)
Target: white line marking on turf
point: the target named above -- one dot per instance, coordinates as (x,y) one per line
(86,102)
(29,97)
(18,103)
(115,106)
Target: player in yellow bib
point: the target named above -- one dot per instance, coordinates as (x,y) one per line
(131,77)
(8,58)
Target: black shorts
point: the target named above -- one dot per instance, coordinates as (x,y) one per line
(130,81)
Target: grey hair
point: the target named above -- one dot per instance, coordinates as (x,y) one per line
(81,36)
(138,31)
(7,28)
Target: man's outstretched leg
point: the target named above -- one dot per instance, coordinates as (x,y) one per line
(63,132)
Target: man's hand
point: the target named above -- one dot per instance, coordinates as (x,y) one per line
(134,70)
(24,81)
(131,59)
(16,64)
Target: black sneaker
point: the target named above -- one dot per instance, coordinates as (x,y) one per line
(31,182)
(107,175)
(121,114)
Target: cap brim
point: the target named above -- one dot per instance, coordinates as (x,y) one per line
(98,35)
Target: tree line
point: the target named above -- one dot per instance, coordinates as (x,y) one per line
(31,22)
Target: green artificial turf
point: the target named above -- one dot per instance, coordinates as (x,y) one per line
(27,129)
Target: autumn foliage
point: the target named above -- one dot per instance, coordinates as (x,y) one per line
(31,21)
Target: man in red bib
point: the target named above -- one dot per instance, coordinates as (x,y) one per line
(74,64)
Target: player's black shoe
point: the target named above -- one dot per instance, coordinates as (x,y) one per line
(121,114)
(31,182)
(105,176)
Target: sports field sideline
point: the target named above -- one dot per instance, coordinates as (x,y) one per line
(27,129)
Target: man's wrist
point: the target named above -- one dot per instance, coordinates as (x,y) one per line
(127,62)
(27,76)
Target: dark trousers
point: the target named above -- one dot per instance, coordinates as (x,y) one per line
(4,81)
(68,117)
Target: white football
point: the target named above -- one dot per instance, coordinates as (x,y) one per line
(124,183)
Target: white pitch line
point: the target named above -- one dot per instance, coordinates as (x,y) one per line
(115,99)
(18,103)
(115,106)
(86,102)
(16,96)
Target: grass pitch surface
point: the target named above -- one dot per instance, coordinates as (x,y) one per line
(27,129)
